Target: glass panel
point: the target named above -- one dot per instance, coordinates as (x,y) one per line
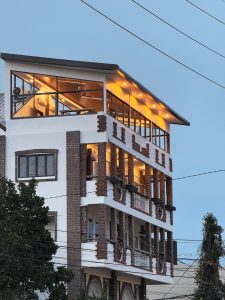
(132,119)
(50,165)
(82,96)
(31,166)
(148,130)
(41,166)
(162,139)
(90,229)
(22,166)
(143,126)
(126,115)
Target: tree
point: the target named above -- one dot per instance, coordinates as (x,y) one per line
(207,278)
(26,247)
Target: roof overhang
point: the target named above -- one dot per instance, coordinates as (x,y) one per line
(116,73)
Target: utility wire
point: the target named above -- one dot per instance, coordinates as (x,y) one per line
(154,47)
(178,30)
(177,178)
(172,287)
(205,12)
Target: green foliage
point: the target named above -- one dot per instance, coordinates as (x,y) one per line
(84,296)
(209,285)
(26,247)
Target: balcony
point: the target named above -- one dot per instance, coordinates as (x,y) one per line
(140,266)
(141,203)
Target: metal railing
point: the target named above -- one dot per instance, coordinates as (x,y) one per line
(141,203)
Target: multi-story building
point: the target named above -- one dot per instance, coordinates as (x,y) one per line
(98,142)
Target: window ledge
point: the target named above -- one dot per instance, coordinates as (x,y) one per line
(43,178)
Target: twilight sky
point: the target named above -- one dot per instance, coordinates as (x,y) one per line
(71,30)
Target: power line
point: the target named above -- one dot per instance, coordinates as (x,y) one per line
(177,178)
(205,12)
(178,30)
(152,46)
(172,287)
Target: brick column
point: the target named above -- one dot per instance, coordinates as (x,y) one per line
(148,243)
(101,181)
(148,186)
(114,231)
(2,155)
(142,290)
(131,175)
(84,219)
(113,170)
(122,234)
(73,212)
(170,250)
(162,193)
(155,183)
(156,247)
(102,239)
(121,165)
(113,286)
(163,250)
(131,238)
(169,195)
(83,169)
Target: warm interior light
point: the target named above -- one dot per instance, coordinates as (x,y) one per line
(120,73)
(140,95)
(154,106)
(167,116)
(124,84)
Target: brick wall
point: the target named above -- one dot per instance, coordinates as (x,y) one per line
(102,239)
(83,169)
(73,212)
(101,189)
(2,155)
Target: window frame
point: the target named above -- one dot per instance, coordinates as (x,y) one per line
(35,153)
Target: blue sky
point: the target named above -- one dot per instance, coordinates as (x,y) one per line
(71,30)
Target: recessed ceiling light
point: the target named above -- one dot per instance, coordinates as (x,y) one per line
(154,106)
(124,84)
(167,116)
(140,95)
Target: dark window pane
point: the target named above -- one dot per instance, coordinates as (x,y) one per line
(41,166)
(31,166)
(50,165)
(22,166)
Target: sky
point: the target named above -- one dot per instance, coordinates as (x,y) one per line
(71,30)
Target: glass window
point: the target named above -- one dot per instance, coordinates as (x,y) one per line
(22,166)
(31,166)
(39,165)
(36,95)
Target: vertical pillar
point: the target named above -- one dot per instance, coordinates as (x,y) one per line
(162,194)
(122,238)
(101,182)
(113,170)
(102,239)
(114,233)
(83,169)
(131,175)
(73,212)
(84,218)
(170,250)
(148,186)
(113,286)
(169,194)
(155,184)
(162,251)
(156,247)
(142,290)
(131,238)
(149,243)
(2,155)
